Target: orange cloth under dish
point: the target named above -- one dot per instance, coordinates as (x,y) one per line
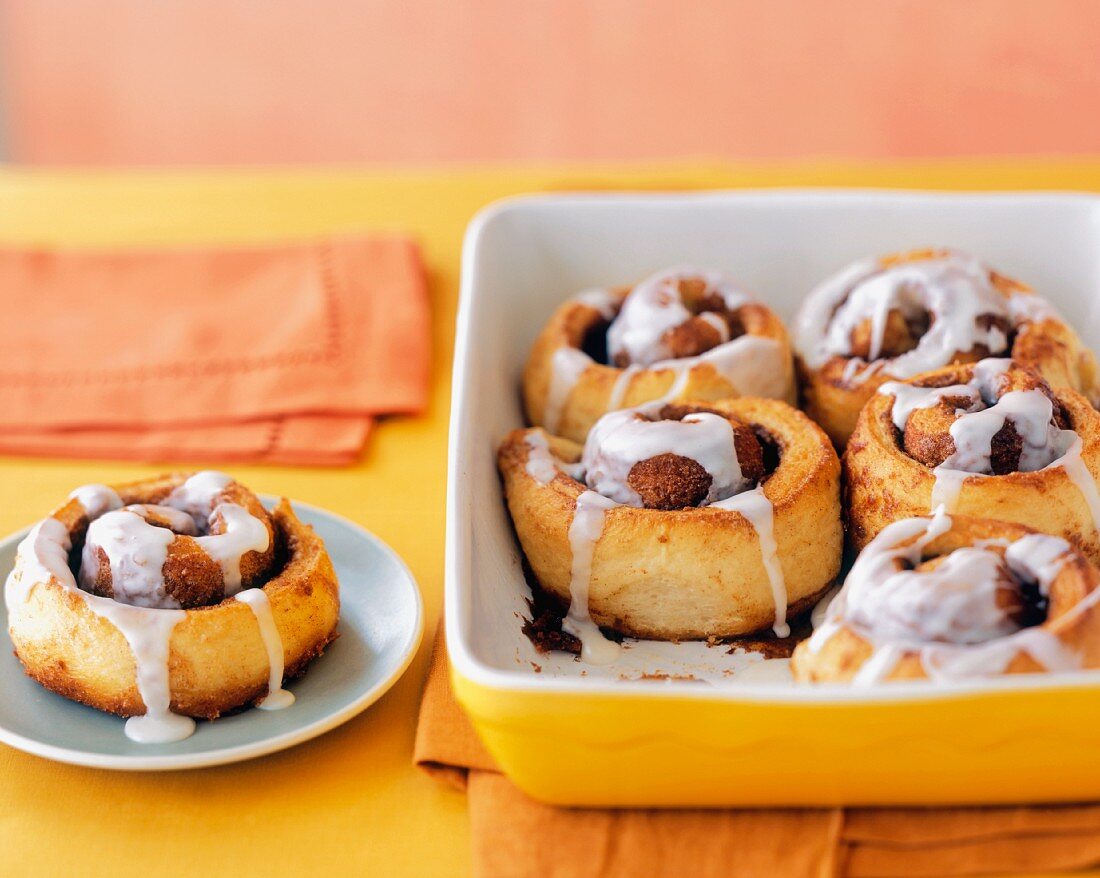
(514,836)
(271,354)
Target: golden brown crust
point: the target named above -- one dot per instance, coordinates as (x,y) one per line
(218,662)
(692,573)
(572,324)
(847,649)
(833,396)
(883,483)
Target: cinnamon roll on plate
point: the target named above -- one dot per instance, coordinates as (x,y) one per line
(991,439)
(678,521)
(951,597)
(171,598)
(896,316)
(684,333)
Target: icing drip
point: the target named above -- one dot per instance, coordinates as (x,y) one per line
(584,532)
(43,557)
(540,462)
(758,510)
(655,306)
(620,440)
(149,633)
(957,616)
(277,697)
(566,367)
(954,290)
(622,385)
(243,533)
(542,465)
(96,499)
(752,364)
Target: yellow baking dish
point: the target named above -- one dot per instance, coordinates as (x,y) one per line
(706,727)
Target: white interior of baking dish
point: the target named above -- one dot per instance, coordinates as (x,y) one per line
(524,256)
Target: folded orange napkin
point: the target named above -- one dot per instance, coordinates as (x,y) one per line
(514,836)
(269,354)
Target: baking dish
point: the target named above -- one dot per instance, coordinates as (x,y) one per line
(690,724)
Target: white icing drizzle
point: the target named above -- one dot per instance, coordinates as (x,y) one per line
(620,440)
(954,617)
(1082,477)
(655,306)
(566,367)
(603,300)
(197,494)
(178,520)
(42,558)
(752,364)
(542,465)
(136,552)
(243,533)
(759,512)
(540,462)
(149,633)
(584,532)
(277,697)
(1031,412)
(621,386)
(820,612)
(96,499)
(955,289)
(1030,308)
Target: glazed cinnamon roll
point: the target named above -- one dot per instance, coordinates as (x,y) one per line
(684,333)
(678,521)
(897,316)
(989,439)
(952,597)
(168,599)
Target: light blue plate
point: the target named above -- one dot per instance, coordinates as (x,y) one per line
(381,625)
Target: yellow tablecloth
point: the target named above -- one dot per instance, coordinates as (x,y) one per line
(349,802)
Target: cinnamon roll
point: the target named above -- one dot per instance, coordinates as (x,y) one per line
(168,599)
(897,316)
(683,333)
(678,521)
(989,439)
(951,597)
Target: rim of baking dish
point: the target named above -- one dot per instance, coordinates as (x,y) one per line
(458,552)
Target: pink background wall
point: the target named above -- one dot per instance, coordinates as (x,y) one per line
(277,81)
